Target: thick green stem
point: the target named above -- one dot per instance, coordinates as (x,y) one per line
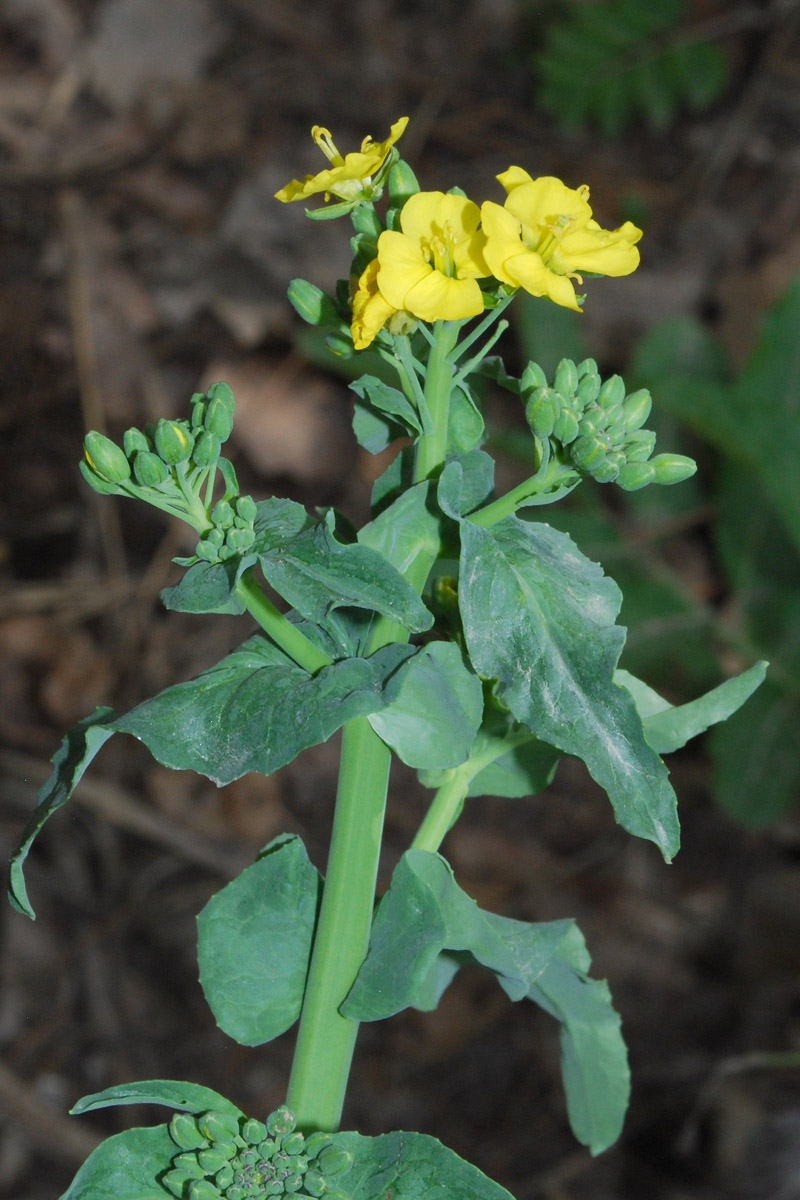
(282,632)
(445,807)
(326,1039)
(556,476)
(432,448)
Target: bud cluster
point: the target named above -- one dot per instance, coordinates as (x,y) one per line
(236,1158)
(596,427)
(173,466)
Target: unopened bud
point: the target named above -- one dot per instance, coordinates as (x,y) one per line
(311,304)
(672,468)
(314,1183)
(566,427)
(184,1132)
(176,1181)
(635,475)
(640,445)
(541,411)
(566,377)
(281,1122)
(588,388)
(239,540)
(204,1189)
(149,469)
(133,441)
(254,1131)
(587,366)
(173,441)
(224,1177)
(211,1160)
(222,514)
(612,392)
(587,453)
(316,1142)
(219,418)
(206,449)
(246,509)
(105,458)
(198,403)
(333,1161)
(532,377)
(636,409)
(402,184)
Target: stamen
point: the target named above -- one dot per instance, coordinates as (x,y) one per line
(326,144)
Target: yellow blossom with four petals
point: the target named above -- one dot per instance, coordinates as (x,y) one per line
(350,178)
(545,235)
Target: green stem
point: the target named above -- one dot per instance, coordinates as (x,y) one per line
(290,639)
(445,807)
(556,475)
(431,448)
(326,1039)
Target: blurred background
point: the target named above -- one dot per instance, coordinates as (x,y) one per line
(142,256)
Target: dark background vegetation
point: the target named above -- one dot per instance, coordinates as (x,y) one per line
(142,256)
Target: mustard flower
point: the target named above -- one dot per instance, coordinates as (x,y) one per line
(370,310)
(545,235)
(351,178)
(431,268)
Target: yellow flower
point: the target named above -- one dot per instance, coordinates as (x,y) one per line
(350,178)
(431,269)
(545,235)
(370,310)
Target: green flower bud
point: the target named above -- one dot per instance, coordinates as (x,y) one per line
(239,540)
(227,1149)
(532,377)
(314,1183)
(281,1122)
(566,377)
(101,486)
(591,422)
(206,550)
(188,1162)
(224,1177)
(311,304)
(203,1189)
(612,392)
(184,1132)
(235,1192)
(587,367)
(198,403)
(274,1188)
(615,432)
(587,452)
(566,427)
(211,1160)
(640,445)
(636,409)
(541,411)
(588,388)
(672,468)
(149,469)
(606,471)
(175,1182)
(222,391)
(173,441)
(333,1160)
(635,475)
(316,1142)
(225,553)
(402,183)
(133,440)
(222,514)
(219,418)
(294,1143)
(105,458)
(206,449)
(246,509)
(254,1131)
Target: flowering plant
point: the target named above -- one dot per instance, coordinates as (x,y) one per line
(474,644)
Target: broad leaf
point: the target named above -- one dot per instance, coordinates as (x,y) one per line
(70,761)
(177,1094)
(408,1166)
(373,394)
(436,714)
(207,588)
(465,426)
(523,770)
(125,1167)
(669,727)
(540,618)
(756,763)
(254,944)
(405,531)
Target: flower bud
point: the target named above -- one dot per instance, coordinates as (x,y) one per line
(672,468)
(587,452)
(612,392)
(294,1143)
(587,366)
(246,509)
(133,441)
(96,483)
(566,377)
(333,1161)
(314,1183)
(636,409)
(219,418)
(105,458)
(211,1160)
(254,1131)
(149,469)
(402,184)
(566,427)
(639,445)
(316,1142)
(203,1189)
(588,388)
(239,540)
(198,403)
(184,1132)
(173,441)
(207,550)
(224,1177)
(311,304)
(222,391)
(175,1182)
(635,475)
(206,449)
(606,471)
(222,514)
(532,377)
(541,411)
(189,1164)
(281,1122)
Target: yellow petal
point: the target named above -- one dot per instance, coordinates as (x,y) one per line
(438,297)
(513,177)
(502,240)
(401,266)
(605,252)
(347,177)
(370,310)
(544,200)
(427,213)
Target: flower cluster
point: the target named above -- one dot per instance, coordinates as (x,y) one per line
(596,427)
(222,1156)
(172,465)
(427,263)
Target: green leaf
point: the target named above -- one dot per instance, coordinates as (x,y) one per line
(667,728)
(69,763)
(375,394)
(207,588)
(408,1166)
(404,530)
(125,1167)
(177,1094)
(256,710)
(539,617)
(254,943)
(465,425)
(756,764)
(315,574)
(594,1062)
(436,714)
(423,913)
(523,770)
